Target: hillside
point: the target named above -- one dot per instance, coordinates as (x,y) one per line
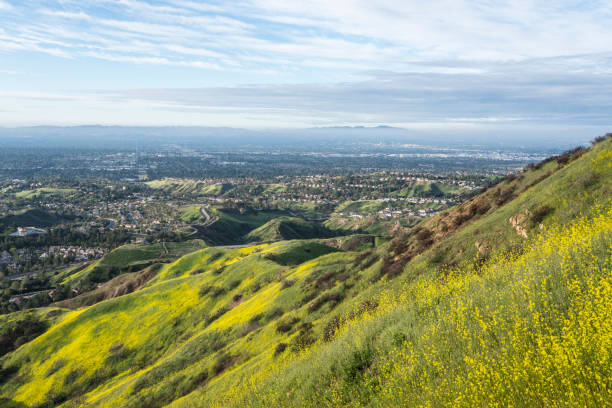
(126,258)
(31,218)
(188,186)
(233,226)
(284,228)
(45,192)
(505,300)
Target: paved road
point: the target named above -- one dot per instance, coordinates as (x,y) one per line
(28,295)
(30,274)
(205,214)
(209,220)
(236,246)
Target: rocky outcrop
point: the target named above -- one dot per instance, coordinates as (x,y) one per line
(519,223)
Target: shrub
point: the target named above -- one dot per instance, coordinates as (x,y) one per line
(358,361)
(218,271)
(360,257)
(7,372)
(287,283)
(56,366)
(274,313)
(280,347)
(370,261)
(540,213)
(118,353)
(393,268)
(214,257)
(424,234)
(586,179)
(220,312)
(480,207)
(569,156)
(211,290)
(284,326)
(115,347)
(331,328)
(333,298)
(504,195)
(368,305)
(304,338)
(14,334)
(325,281)
(223,362)
(398,339)
(72,376)
(600,139)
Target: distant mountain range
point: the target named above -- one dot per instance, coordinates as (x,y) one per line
(320,138)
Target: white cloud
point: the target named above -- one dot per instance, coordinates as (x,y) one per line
(453,61)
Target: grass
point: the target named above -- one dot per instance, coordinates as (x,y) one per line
(192,214)
(31,218)
(189,187)
(44,192)
(528,330)
(233,226)
(284,228)
(130,258)
(301,323)
(431,190)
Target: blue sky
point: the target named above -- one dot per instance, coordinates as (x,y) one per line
(460,65)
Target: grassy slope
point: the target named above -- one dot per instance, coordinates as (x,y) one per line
(232,227)
(192,214)
(430,190)
(188,186)
(530,329)
(150,328)
(45,192)
(31,218)
(131,257)
(283,228)
(206,331)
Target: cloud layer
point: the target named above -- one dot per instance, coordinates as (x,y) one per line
(310,62)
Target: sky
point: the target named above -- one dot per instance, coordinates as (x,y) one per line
(448,65)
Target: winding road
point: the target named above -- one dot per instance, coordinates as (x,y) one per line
(209,220)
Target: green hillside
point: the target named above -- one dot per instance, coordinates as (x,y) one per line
(45,192)
(233,226)
(283,228)
(31,218)
(505,300)
(192,214)
(189,186)
(127,258)
(430,190)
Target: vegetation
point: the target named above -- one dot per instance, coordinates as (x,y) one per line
(503,300)
(283,228)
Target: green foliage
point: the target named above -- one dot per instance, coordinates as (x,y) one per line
(284,228)
(31,218)
(14,333)
(526,325)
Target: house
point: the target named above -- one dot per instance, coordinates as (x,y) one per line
(25,231)
(6,257)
